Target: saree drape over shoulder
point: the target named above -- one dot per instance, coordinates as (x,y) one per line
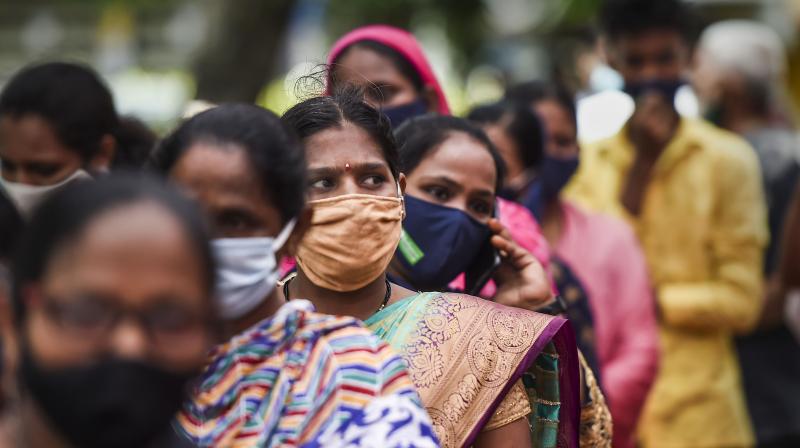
(302,379)
(470,358)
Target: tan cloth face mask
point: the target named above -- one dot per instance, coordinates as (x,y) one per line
(351,240)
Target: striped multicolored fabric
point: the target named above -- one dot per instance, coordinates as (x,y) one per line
(288,379)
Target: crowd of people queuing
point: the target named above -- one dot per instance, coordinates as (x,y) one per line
(369,270)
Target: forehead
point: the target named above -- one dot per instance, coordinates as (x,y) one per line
(497,134)
(650,40)
(553,115)
(117,229)
(30,138)
(361,65)
(119,253)
(346,144)
(219,167)
(460,158)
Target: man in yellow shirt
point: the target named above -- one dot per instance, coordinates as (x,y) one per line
(693,193)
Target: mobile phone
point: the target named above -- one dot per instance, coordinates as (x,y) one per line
(478,274)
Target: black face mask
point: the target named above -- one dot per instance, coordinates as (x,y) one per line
(399,114)
(667,88)
(113,403)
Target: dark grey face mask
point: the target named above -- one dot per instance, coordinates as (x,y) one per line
(668,88)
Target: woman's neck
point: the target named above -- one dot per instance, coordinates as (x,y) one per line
(361,303)
(34,430)
(399,272)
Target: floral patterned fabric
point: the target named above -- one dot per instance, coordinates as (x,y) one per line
(387,422)
(465,354)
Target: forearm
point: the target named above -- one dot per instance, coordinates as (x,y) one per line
(712,305)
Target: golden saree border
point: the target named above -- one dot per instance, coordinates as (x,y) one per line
(465,353)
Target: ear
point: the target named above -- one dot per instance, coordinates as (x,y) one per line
(300,229)
(401,181)
(101,162)
(431,98)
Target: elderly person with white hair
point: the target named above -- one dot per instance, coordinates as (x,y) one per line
(739,80)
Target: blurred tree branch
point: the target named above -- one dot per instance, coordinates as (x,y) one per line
(241,50)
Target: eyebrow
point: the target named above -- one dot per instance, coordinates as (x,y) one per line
(456,186)
(233,208)
(484,193)
(446,180)
(329,170)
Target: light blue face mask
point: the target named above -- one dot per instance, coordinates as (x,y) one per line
(247,271)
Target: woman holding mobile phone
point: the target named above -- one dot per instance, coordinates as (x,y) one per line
(453,175)
(474,362)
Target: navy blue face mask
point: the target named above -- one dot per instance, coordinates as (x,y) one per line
(668,88)
(554,174)
(438,243)
(398,114)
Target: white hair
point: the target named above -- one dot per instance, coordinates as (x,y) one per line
(750,48)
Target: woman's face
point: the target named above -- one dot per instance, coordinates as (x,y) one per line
(223,180)
(384,85)
(562,140)
(32,154)
(347,160)
(123,290)
(459,173)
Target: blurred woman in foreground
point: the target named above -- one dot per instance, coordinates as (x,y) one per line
(112,319)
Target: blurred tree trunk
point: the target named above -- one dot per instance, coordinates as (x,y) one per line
(242,48)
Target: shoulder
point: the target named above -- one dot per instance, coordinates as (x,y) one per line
(594,152)
(514,212)
(347,343)
(508,326)
(593,185)
(723,146)
(592,146)
(295,335)
(297,322)
(608,230)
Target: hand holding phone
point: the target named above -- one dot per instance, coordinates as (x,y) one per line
(520,278)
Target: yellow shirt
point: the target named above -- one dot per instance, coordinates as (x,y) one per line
(703,228)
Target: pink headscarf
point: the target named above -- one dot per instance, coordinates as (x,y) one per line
(401,41)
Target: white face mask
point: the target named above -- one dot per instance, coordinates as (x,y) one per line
(27,197)
(247,271)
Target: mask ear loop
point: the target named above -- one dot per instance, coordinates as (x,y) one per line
(402,202)
(284,234)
